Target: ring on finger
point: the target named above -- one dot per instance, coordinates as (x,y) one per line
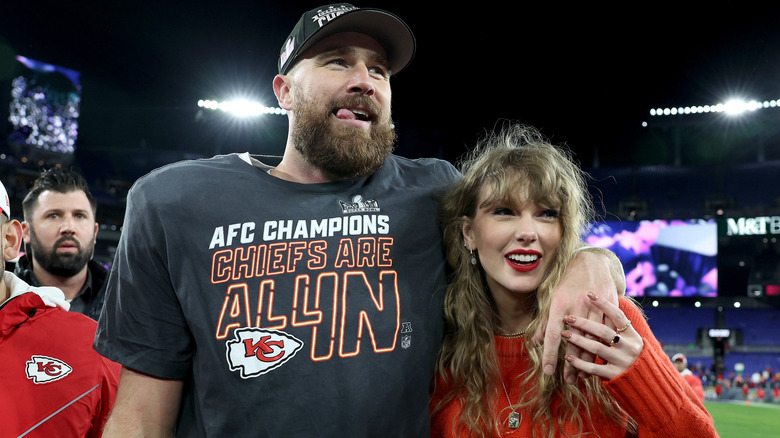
(615,339)
(622,329)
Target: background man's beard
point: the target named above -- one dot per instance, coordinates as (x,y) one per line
(57,264)
(342,151)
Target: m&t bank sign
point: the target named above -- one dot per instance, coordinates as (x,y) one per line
(749,226)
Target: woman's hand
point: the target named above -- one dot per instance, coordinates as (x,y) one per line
(619,346)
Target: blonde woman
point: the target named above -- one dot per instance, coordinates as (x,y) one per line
(510,227)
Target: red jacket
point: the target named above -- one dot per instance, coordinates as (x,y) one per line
(52,383)
(695,382)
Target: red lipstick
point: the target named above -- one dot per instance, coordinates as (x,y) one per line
(523,260)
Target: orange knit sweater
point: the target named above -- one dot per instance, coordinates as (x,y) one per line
(651,391)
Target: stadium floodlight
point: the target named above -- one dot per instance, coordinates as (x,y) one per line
(733,107)
(241,107)
(738,106)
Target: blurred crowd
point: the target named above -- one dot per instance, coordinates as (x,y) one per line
(760,386)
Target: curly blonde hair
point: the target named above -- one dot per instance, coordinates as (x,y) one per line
(517,162)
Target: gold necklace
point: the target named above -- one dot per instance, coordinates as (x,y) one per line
(513,421)
(519,334)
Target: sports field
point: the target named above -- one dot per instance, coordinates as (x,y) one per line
(738,420)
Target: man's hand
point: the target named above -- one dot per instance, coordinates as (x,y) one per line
(594,270)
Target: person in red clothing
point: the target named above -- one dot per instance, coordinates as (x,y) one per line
(510,227)
(681,364)
(54,384)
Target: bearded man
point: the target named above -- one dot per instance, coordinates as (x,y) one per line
(60,232)
(297,297)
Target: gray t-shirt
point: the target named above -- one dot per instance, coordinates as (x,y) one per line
(289,310)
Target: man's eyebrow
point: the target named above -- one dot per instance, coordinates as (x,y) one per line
(340,50)
(351,51)
(64,209)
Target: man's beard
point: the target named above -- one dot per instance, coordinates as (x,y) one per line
(62,265)
(344,152)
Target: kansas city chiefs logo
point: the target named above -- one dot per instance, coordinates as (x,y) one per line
(256,351)
(43,369)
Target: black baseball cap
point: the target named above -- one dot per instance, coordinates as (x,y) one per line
(387,29)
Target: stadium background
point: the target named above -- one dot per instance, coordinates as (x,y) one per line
(587,77)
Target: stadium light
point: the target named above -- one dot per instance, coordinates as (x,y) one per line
(733,107)
(241,107)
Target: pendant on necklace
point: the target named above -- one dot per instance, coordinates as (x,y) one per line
(514,420)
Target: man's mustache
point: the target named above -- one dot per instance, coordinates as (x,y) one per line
(63,239)
(362,101)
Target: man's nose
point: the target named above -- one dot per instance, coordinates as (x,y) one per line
(360,81)
(68,225)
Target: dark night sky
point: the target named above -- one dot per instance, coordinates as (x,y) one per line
(584,75)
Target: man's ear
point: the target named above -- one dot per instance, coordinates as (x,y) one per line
(26,232)
(12,236)
(283,91)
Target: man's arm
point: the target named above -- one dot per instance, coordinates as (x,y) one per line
(593,269)
(145,406)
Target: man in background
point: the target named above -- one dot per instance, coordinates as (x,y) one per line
(59,233)
(54,383)
(681,363)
